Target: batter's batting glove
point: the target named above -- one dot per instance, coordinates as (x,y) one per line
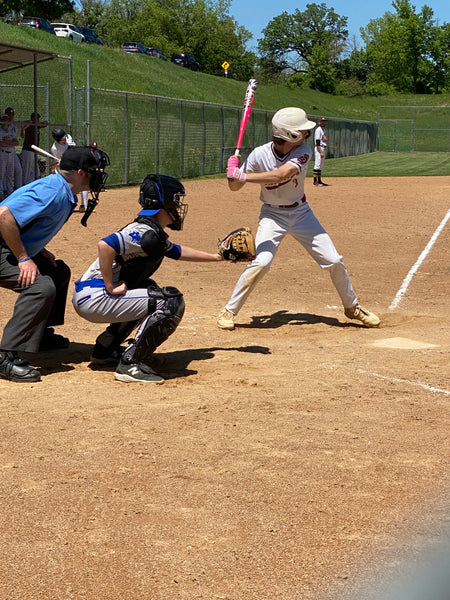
(236,174)
(233,162)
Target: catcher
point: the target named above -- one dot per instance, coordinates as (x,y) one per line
(117,288)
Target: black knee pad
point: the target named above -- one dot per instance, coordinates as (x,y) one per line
(168,303)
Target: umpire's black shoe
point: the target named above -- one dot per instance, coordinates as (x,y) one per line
(105,356)
(53,341)
(136,372)
(14,368)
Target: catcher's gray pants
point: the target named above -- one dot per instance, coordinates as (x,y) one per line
(301,223)
(96,305)
(38,306)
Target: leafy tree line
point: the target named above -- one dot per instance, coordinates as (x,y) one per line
(406,50)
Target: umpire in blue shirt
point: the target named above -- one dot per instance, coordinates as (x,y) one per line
(29,218)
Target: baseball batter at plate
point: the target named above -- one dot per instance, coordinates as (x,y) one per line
(117,288)
(279,168)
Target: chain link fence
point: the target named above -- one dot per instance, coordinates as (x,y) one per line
(413,128)
(145,133)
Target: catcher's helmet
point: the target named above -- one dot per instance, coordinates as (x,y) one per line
(163,191)
(288,124)
(58,134)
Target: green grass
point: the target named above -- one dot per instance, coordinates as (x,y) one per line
(113,69)
(388,164)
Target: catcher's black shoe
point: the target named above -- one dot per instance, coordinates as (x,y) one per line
(136,372)
(53,341)
(14,368)
(105,356)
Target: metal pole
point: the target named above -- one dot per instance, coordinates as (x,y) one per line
(126,138)
(70,95)
(88,101)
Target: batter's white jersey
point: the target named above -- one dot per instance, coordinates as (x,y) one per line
(264,158)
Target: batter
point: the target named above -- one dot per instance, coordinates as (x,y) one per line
(279,167)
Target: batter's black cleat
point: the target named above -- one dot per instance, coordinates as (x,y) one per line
(105,356)
(53,341)
(14,368)
(136,373)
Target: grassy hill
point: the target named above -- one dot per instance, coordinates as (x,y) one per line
(112,68)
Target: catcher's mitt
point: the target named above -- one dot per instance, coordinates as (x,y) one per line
(237,246)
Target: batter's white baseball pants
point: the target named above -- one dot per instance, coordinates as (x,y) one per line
(302,224)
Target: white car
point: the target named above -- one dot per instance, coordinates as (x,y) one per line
(68,31)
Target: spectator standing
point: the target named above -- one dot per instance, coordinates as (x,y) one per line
(31,134)
(7,152)
(14,127)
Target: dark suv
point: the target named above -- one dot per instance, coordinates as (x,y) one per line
(135,48)
(90,36)
(37,23)
(185,60)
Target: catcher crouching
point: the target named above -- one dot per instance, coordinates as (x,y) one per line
(118,288)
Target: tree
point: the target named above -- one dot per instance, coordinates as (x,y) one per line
(51,10)
(306,41)
(405,47)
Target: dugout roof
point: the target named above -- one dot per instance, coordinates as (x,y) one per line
(16,57)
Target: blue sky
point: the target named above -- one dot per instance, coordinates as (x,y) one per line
(254,16)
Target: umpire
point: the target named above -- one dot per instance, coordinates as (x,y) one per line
(29,218)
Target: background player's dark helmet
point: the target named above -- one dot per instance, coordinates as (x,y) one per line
(58,134)
(163,191)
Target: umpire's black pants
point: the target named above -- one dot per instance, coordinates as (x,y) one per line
(38,306)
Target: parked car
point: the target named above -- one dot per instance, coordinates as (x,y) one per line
(185,60)
(157,52)
(90,36)
(135,48)
(37,23)
(68,30)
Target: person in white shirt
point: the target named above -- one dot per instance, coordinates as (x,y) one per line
(63,141)
(279,168)
(14,127)
(320,146)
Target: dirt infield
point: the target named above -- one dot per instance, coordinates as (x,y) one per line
(299,457)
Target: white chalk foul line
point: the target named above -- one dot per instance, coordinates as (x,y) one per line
(402,291)
(425,386)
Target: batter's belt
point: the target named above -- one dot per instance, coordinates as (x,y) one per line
(287,205)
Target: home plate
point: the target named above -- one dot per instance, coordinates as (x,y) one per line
(402,343)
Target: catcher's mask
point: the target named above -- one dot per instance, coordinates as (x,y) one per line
(290,124)
(163,191)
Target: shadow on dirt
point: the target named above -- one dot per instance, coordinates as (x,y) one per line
(169,364)
(283,317)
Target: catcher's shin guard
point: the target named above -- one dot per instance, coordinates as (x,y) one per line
(168,309)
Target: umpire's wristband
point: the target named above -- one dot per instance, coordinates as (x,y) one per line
(24,259)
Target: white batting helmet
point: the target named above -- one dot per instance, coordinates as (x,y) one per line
(288,123)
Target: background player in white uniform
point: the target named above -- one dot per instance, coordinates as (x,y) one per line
(320,146)
(117,288)
(8,141)
(14,127)
(279,167)
(63,141)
